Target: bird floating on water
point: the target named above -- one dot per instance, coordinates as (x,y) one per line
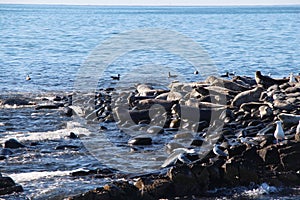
(115,77)
(218,151)
(28,77)
(228,74)
(196,72)
(279,133)
(171,76)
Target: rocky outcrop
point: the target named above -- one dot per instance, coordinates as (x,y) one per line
(8,186)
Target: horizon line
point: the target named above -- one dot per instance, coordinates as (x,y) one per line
(158,5)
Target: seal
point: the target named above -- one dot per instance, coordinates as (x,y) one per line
(267,81)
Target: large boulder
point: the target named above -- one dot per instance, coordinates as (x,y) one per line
(8,186)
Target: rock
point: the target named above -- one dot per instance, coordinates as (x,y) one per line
(8,186)
(297,137)
(140,140)
(66,146)
(112,191)
(236,150)
(270,155)
(68,111)
(155,130)
(13,144)
(289,156)
(188,181)
(147,103)
(6,152)
(247,96)
(73,136)
(16,101)
(157,189)
(289,178)
(231,172)
(47,106)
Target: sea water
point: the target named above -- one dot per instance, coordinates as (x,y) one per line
(52,43)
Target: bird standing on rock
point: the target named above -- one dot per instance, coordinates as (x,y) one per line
(279,133)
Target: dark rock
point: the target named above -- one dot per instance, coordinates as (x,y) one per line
(189,181)
(289,178)
(236,150)
(66,146)
(251,155)
(68,111)
(270,155)
(199,126)
(103,128)
(140,141)
(197,142)
(17,102)
(289,156)
(155,188)
(113,191)
(48,106)
(6,152)
(248,173)
(231,172)
(8,186)
(13,144)
(73,136)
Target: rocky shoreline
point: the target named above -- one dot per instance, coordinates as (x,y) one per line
(237,114)
(248,112)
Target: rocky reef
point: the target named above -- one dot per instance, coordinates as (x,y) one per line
(238,114)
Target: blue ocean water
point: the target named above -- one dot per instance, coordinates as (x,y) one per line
(51,42)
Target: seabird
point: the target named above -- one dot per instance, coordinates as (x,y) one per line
(196,72)
(292,78)
(279,133)
(171,76)
(225,75)
(178,154)
(115,77)
(298,128)
(218,151)
(28,77)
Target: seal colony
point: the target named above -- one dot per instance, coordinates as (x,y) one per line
(257,128)
(230,125)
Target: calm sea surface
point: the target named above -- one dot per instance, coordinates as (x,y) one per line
(52,43)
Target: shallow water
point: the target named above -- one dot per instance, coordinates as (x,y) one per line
(51,44)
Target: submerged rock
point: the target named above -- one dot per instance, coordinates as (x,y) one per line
(8,186)
(13,144)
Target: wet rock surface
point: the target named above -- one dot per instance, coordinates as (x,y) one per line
(239,115)
(8,186)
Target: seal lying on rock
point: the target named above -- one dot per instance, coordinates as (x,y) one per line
(267,81)
(247,96)
(289,118)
